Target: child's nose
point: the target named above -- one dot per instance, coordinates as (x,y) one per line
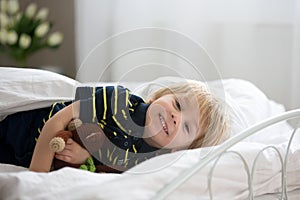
(175,118)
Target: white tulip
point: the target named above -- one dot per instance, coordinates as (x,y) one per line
(42,14)
(3,35)
(4,20)
(12,37)
(12,6)
(3,5)
(30,10)
(55,39)
(42,29)
(25,41)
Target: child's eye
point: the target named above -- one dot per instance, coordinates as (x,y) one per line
(177,104)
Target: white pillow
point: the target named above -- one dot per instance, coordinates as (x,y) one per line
(25,89)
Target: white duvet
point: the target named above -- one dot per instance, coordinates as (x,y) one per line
(145,180)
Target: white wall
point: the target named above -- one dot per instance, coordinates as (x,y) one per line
(254,40)
(295,72)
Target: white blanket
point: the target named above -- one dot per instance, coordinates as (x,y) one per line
(144,181)
(22,89)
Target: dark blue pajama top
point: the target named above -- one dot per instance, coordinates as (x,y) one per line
(119,113)
(122,117)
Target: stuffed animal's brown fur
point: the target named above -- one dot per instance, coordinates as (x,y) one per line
(89,136)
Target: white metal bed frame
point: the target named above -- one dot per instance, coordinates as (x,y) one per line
(217,153)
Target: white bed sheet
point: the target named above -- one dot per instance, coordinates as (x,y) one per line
(144,180)
(293,195)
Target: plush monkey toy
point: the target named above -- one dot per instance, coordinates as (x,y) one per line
(89,136)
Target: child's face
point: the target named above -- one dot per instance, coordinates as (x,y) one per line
(172,122)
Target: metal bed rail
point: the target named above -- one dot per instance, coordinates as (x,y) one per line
(217,153)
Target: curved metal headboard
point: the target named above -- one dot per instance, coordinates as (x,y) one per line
(218,152)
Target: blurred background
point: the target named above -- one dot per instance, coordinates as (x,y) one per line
(252,39)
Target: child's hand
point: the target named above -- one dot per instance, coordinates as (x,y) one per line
(73,153)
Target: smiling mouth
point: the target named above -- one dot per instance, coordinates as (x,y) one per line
(164,124)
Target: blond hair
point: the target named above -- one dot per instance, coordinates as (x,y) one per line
(212,112)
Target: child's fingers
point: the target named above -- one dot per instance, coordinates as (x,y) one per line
(70,145)
(65,152)
(73,153)
(62,157)
(75,156)
(70,141)
(70,149)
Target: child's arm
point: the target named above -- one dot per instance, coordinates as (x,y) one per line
(42,155)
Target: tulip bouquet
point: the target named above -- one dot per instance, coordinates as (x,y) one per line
(24,33)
